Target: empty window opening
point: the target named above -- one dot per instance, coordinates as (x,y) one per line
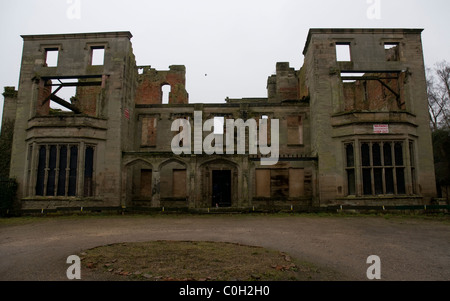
(350,77)
(343,52)
(66,93)
(97,56)
(219,125)
(221,188)
(51,57)
(391,51)
(373,91)
(165,90)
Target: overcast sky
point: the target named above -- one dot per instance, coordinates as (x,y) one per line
(229,47)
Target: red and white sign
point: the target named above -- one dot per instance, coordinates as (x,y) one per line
(381,128)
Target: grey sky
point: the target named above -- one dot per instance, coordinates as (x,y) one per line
(235,43)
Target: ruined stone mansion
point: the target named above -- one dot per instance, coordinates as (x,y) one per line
(353,127)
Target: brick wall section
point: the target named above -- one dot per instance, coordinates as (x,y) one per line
(42,106)
(87,98)
(151,81)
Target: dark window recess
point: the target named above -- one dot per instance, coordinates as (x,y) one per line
(41,171)
(367,181)
(72,189)
(88,171)
(350,155)
(376,153)
(365,154)
(378,180)
(389,180)
(398,154)
(387,154)
(62,171)
(401,189)
(51,171)
(57,170)
(351,180)
(379,173)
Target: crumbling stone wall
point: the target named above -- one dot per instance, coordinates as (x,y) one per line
(151,81)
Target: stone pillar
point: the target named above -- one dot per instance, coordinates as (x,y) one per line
(156,196)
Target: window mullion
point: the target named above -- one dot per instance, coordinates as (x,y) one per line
(66,188)
(47,160)
(383,172)
(394,168)
(372,172)
(58,151)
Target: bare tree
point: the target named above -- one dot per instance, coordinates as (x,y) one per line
(438,88)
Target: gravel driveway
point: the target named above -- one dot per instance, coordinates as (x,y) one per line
(409,248)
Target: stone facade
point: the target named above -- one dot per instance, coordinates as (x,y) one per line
(352,130)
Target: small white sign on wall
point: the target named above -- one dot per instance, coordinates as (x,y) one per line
(381,129)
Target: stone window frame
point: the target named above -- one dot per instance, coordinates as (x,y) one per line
(344,42)
(45,48)
(91,46)
(79,183)
(406,169)
(391,41)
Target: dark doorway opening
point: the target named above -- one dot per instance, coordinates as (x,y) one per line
(221,190)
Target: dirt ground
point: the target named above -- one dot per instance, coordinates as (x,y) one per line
(410,248)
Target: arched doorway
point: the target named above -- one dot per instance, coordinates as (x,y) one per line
(137,177)
(219,183)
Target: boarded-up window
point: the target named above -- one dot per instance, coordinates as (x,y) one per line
(179,183)
(296,182)
(295,129)
(146,183)
(263,183)
(279,182)
(148,137)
